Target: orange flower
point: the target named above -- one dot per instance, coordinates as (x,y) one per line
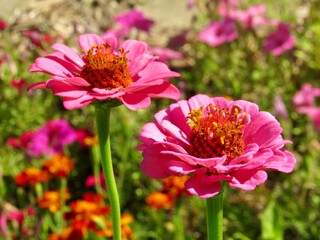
(159,200)
(59,166)
(90,140)
(126,231)
(87,211)
(51,200)
(174,185)
(67,233)
(31,176)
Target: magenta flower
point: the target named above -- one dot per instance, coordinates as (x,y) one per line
(214,140)
(253,16)
(130,74)
(91,181)
(219,32)
(304,102)
(134,19)
(51,138)
(279,41)
(166,54)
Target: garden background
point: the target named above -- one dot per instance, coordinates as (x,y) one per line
(285,207)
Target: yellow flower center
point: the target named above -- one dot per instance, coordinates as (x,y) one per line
(104,69)
(216,134)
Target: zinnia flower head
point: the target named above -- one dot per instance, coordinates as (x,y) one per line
(279,41)
(305,102)
(129,74)
(31,176)
(219,32)
(134,19)
(58,166)
(51,138)
(253,16)
(51,200)
(214,140)
(160,200)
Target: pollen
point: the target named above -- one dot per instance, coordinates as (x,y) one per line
(216,132)
(104,69)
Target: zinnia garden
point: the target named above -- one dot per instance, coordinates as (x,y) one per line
(119,124)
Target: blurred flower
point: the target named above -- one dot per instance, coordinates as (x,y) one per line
(126,231)
(133,19)
(279,107)
(58,166)
(130,75)
(227,8)
(51,138)
(90,181)
(71,232)
(18,84)
(279,41)
(51,200)
(159,200)
(305,102)
(306,96)
(23,141)
(10,213)
(214,140)
(191,3)
(252,17)
(174,185)
(219,32)
(166,54)
(3,24)
(86,212)
(38,38)
(31,176)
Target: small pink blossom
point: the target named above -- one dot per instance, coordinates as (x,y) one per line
(166,54)
(133,19)
(18,84)
(130,74)
(49,139)
(304,102)
(219,32)
(214,140)
(3,24)
(252,17)
(227,8)
(279,41)
(279,107)
(91,181)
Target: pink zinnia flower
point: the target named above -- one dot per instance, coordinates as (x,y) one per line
(279,41)
(304,102)
(214,140)
(134,19)
(51,138)
(130,74)
(253,16)
(219,32)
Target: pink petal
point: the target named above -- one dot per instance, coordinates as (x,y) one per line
(166,90)
(36,85)
(205,186)
(77,81)
(180,167)
(135,48)
(86,41)
(75,103)
(52,67)
(136,101)
(248,180)
(69,53)
(63,89)
(154,164)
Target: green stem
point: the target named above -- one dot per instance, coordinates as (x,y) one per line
(215,217)
(96,168)
(178,221)
(103,127)
(60,213)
